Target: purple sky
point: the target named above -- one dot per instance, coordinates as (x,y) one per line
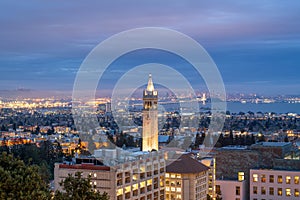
(255,44)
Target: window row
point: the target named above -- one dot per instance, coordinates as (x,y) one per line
(278,192)
(263,178)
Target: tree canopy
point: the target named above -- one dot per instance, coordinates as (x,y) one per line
(18,181)
(78,188)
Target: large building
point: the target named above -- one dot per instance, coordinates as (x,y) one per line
(139,179)
(274,184)
(264,155)
(211,163)
(232,189)
(150,120)
(186,179)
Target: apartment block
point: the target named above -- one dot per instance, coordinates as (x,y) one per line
(274,184)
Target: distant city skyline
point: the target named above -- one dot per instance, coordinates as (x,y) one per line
(256,45)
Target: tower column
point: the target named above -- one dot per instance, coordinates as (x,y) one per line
(150,119)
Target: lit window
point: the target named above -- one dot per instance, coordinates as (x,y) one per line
(241,176)
(127,189)
(296,179)
(95,175)
(135,186)
(296,192)
(288,192)
(142,184)
(178,175)
(135,177)
(263,178)
(288,180)
(263,190)
(167,189)
(173,176)
(271,178)
(254,190)
(119,191)
(178,189)
(255,177)
(149,182)
(167,175)
(271,191)
(279,179)
(279,191)
(95,183)
(173,189)
(178,196)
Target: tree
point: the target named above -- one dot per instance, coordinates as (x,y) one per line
(18,181)
(208,197)
(78,188)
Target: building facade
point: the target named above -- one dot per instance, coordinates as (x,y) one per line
(141,179)
(186,179)
(231,189)
(274,184)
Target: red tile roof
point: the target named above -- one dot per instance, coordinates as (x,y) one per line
(85,166)
(185,164)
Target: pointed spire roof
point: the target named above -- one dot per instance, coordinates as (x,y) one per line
(150,86)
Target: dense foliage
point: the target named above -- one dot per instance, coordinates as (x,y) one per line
(19,181)
(78,188)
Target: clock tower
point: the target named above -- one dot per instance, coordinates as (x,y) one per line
(150,120)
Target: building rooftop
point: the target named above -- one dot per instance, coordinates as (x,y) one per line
(274,144)
(185,164)
(235,147)
(87,166)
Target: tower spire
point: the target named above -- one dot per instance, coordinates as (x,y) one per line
(150,86)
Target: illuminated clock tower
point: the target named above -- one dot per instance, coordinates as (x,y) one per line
(150,121)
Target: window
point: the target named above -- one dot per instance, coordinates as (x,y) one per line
(296,192)
(288,180)
(279,179)
(218,189)
(237,190)
(241,176)
(254,190)
(263,178)
(255,177)
(263,190)
(271,178)
(296,179)
(271,191)
(279,191)
(288,192)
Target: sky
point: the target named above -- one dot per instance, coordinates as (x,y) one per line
(255,44)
